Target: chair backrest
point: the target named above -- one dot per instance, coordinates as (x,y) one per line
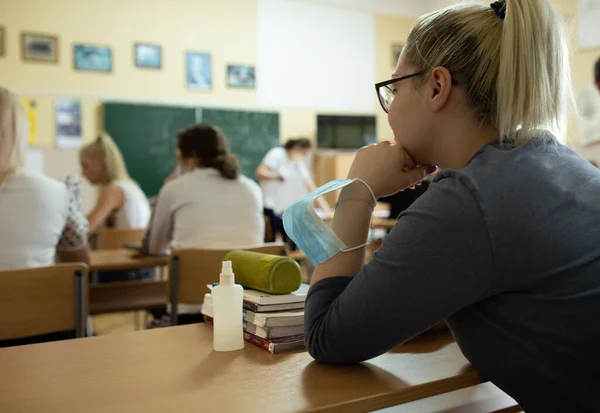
(114,238)
(191,270)
(43,300)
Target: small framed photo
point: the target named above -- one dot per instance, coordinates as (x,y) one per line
(198,71)
(36,47)
(396,51)
(147,56)
(92,58)
(2,41)
(241,76)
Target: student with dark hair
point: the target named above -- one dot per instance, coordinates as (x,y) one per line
(588,103)
(210,205)
(284,178)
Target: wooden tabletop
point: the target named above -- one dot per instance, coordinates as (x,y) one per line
(175,369)
(122,259)
(385,223)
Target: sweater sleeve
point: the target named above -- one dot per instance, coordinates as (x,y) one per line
(436,261)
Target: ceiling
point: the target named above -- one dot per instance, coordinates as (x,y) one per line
(406,8)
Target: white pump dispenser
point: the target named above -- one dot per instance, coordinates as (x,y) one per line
(227,303)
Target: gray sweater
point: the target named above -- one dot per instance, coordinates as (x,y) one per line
(507,250)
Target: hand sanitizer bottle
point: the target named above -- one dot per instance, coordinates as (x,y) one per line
(227,306)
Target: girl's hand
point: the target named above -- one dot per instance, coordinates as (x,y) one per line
(387,169)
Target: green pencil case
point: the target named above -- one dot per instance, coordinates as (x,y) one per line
(272,274)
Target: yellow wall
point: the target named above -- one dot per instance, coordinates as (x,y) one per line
(388,30)
(227,29)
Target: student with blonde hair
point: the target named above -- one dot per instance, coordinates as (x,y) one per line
(39,219)
(121,203)
(504,243)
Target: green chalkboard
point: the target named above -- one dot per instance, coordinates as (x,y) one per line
(147,137)
(250,134)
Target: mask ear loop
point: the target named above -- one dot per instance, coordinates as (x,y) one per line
(370,190)
(373,206)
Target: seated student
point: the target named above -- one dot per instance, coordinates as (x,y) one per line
(121,203)
(39,220)
(284,179)
(504,242)
(210,205)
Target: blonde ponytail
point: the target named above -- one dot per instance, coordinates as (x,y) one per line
(108,149)
(14,132)
(512,60)
(534,76)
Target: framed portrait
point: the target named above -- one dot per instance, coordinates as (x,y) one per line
(396,50)
(198,71)
(92,58)
(37,47)
(147,56)
(2,41)
(241,76)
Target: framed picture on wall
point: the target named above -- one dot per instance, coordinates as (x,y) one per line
(2,41)
(198,71)
(396,50)
(36,47)
(147,56)
(241,76)
(92,58)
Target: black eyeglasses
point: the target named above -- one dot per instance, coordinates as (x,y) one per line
(386,95)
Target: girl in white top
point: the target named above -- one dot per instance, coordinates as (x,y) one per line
(211,205)
(121,202)
(284,179)
(39,219)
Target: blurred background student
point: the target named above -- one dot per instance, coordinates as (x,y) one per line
(38,218)
(121,203)
(210,205)
(284,179)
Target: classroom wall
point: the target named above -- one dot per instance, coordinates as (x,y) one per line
(202,25)
(388,30)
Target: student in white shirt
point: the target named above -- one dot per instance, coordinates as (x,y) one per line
(588,102)
(284,179)
(210,205)
(121,203)
(39,220)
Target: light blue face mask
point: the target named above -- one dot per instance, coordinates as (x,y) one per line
(307,229)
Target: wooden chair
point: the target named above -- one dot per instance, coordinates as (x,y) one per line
(117,297)
(44,300)
(191,270)
(113,238)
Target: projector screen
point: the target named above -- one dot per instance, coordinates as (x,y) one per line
(315,56)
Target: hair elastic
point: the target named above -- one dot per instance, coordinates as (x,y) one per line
(499,8)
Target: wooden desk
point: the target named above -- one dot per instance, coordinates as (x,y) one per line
(175,369)
(297,255)
(384,223)
(122,259)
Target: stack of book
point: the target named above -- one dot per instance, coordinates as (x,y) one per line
(272,322)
